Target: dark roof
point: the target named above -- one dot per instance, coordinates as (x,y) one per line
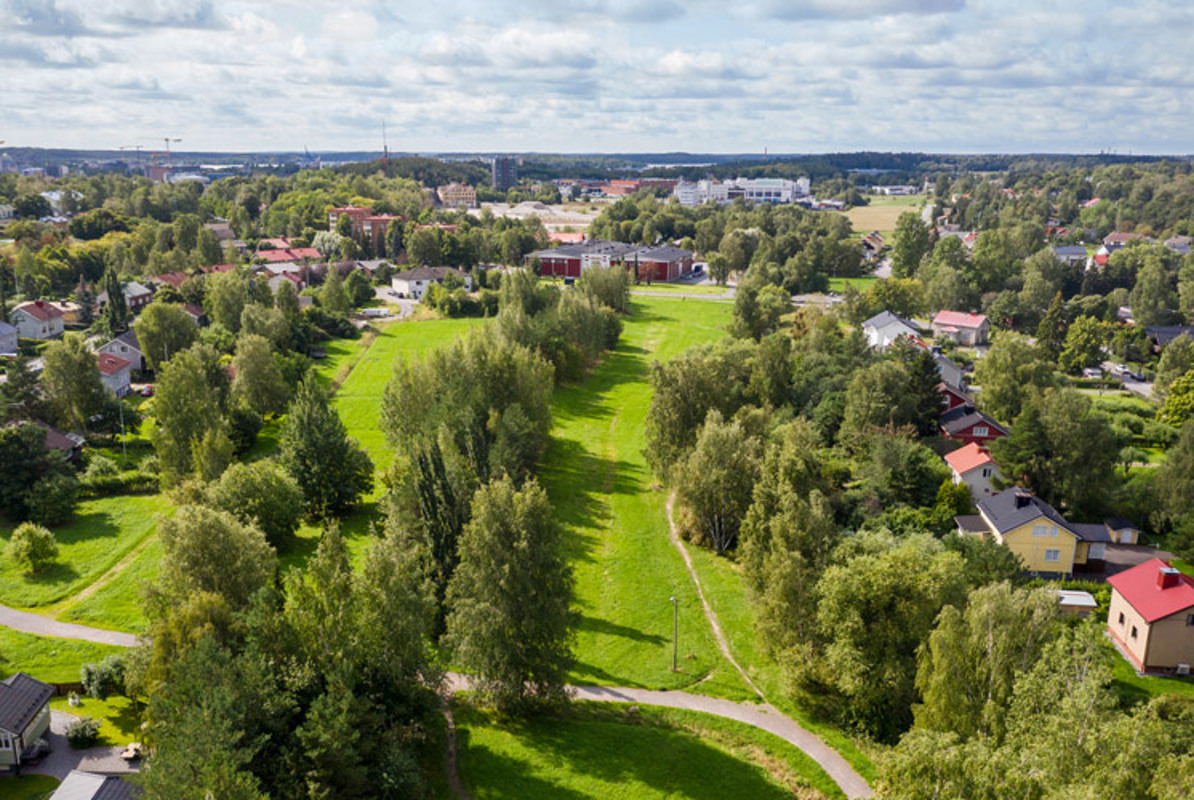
(1014,507)
(1091,531)
(1119,524)
(21,699)
(429,274)
(962,417)
(55,439)
(621,250)
(971,523)
(90,786)
(1069,250)
(885,318)
(1164,334)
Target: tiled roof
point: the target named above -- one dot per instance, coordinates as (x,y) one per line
(110,364)
(959,319)
(40,310)
(1141,588)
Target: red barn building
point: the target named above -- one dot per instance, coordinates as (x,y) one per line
(968,425)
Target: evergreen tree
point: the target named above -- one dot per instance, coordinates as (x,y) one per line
(1051,333)
(115,315)
(332,296)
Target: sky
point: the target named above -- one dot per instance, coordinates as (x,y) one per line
(791,76)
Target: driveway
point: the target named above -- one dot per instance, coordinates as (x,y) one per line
(1140,388)
(63,758)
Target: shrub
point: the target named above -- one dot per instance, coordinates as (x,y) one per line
(100,467)
(105,678)
(83,733)
(262,494)
(32,546)
(52,499)
(243,426)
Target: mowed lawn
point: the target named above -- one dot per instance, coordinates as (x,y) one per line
(118,604)
(102,532)
(607,751)
(595,473)
(27,787)
(46,658)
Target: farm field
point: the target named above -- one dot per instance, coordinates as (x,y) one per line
(882,213)
(606,751)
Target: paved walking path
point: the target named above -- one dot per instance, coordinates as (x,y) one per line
(28,622)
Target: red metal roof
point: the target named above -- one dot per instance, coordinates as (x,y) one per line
(967,458)
(1139,586)
(305,252)
(959,319)
(110,364)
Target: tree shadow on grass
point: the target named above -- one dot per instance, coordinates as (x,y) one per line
(601,626)
(89,525)
(586,399)
(669,762)
(54,574)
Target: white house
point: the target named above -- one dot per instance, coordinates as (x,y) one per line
(884,328)
(127,347)
(8,339)
(413,283)
(962,327)
(114,373)
(973,466)
(276,280)
(37,319)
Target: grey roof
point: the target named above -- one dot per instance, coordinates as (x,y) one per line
(885,318)
(962,417)
(1164,334)
(1119,524)
(128,338)
(1069,250)
(6,329)
(429,274)
(971,523)
(620,250)
(89,786)
(21,699)
(1014,507)
(1091,531)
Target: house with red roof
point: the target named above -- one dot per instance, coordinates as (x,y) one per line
(1151,617)
(972,465)
(114,373)
(175,279)
(37,319)
(962,327)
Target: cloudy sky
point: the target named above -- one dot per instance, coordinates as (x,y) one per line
(600,75)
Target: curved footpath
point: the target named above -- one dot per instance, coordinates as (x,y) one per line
(28,622)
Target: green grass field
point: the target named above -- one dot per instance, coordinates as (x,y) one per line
(119,717)
(606,751)
(102,532)
(117,604)
(677,288)
(47,659)
(597,478)
(838,285)
(27,787)
(881,213)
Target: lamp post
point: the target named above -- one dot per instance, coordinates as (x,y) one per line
(675,632)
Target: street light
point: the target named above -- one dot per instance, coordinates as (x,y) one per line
(675,632)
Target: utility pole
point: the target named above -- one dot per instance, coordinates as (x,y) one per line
(675,633)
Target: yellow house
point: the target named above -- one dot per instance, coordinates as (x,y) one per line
(1044,540)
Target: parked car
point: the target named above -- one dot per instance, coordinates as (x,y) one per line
(147,391)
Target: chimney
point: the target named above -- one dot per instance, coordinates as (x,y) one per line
(1023,498)
(1168,577)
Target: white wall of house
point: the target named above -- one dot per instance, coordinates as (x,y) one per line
(117,383)
(31,327)
(979,480)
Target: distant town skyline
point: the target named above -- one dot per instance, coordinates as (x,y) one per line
(599,75)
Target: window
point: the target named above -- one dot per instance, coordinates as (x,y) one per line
(1040,530)
(1053,531)
(1121,618)
(986,472)
(5,741)
(1133,631)
(1190,620)
(981,430)
(1053,554)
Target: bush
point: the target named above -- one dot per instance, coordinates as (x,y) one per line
(243,426)
(261,494)
(100,467)
(105,678)
(83,733)
(131,482)
(32,546)
(52,500)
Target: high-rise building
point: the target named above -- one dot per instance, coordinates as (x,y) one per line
(505,173)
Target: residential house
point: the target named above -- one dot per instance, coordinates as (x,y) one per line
(37,319)
(8,339)
(884,328)
(1122,531)
(972,465)
(951,373)
(872,245)
(92,786)
(967,424)
(1179,244)
(24,718)
(953,396)
(195,312)
(1162,335)
(1032,529)
(114,373)
(277,279)
(1119,239)
(69,444)
(413,283)
(125,346)
(1072,255)
(175,279)
(136,297)
(962,327)
(1151,617)
(7,211)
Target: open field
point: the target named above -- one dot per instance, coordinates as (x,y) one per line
(882,213)
(102,532)
(597,478)
(861,284)
(607,751)
(117,604)
(677,288)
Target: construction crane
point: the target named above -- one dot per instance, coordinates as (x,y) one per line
(137,147)
(167,140)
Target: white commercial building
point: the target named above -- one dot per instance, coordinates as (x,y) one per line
(751,190)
